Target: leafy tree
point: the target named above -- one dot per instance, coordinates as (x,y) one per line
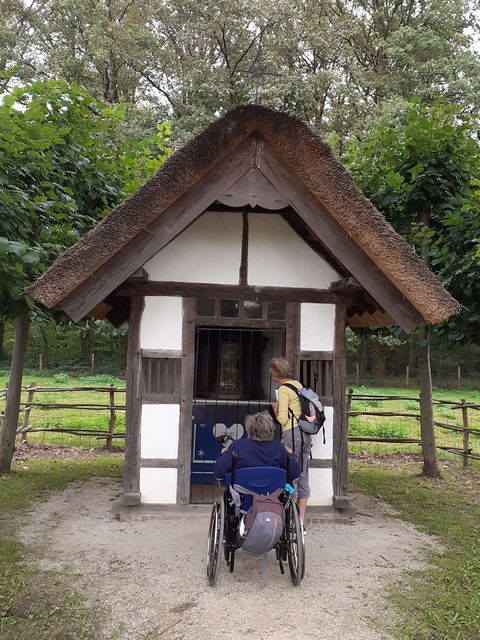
(62,170)
(420,169)
(332,62)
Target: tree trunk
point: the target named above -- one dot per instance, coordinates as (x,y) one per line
(378,359)
(362,358)
(12,407)
(44,337)
(430,466)
(2,336)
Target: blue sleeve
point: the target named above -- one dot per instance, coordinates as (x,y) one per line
(223,465)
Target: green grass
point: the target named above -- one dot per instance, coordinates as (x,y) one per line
(442,602)
(37,604)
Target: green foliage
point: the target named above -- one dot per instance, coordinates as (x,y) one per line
(62,170)
(442,602)
(61,378)
(421,169)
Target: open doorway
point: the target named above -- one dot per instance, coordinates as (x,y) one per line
(232,380)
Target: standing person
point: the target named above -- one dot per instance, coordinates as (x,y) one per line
(288,409)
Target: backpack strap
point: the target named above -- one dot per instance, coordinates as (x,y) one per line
(292,415)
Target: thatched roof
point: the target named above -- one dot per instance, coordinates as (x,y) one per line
(307,156)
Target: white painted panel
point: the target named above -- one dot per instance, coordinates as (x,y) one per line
(317,327)
(322,451)
(159,430)
(278,257)
(209,250)
(161,324)
(321,487)
(158,486)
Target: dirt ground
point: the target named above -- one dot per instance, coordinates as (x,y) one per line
(146,579)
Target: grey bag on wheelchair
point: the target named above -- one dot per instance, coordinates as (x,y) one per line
(263,523)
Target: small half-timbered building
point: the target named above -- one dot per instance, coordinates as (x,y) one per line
(251,241)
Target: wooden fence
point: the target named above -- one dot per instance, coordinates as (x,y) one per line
(29,403)
(466,429)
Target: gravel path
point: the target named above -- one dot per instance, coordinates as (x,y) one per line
(147,577)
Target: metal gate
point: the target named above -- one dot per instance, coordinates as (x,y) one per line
(232,380)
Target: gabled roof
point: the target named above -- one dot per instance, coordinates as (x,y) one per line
(306,156)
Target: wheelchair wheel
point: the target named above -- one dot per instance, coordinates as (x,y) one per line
(295,547)
(216,534)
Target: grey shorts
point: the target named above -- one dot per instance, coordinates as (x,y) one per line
(302,486)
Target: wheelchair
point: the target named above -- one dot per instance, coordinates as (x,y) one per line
(224,538)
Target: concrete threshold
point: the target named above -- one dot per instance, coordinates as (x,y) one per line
(315,515)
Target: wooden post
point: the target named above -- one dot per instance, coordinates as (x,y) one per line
(40,362)
(28,409)
(133,405)
(340,439)
(113,416)
(348,405)
(92,362)
(407,376)
(459,377)
(429,450)
(357,374)
(466,433)
(8,432)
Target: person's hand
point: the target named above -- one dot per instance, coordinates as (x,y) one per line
(275,408)
(289,450)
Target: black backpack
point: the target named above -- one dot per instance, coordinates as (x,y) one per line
(312,417)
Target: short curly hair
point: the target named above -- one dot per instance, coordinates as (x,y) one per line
(260,426)
(281,368)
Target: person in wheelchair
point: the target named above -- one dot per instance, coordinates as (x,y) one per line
(256,512)
(258,450)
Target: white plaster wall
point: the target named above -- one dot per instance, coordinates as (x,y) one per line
(321,487)
(159,430)
(322,451)
(317,327)
(161,324)
(209,250)
(158,486)
(278,257)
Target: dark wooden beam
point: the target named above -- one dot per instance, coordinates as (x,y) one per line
(158,463)
(246,292)
(323,224)
(161,353)
(243,275)
(320,463)
(131,494)
(340,436)
(316,355)
(160,398)
(159,232)
(186,401)
(292,338)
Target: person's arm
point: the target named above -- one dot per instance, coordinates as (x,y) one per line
(293,468)
(283,402)
(289,463)
(223,465)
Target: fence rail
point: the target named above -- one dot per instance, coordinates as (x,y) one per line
(466,450)
(35,399)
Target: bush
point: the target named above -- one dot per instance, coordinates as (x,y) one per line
(61,378)
(103,378)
